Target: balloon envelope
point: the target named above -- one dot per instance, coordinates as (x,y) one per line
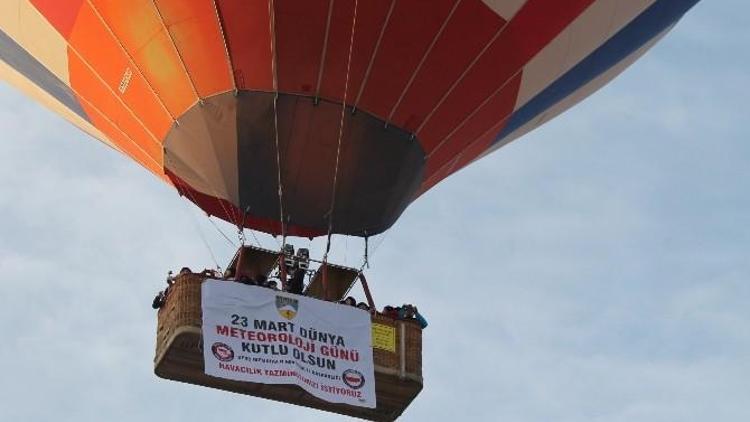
(225,98)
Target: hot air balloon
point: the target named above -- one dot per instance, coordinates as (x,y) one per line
(317,117)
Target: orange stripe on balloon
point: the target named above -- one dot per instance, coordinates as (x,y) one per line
(137,26)
(123,143)
(92,41)
(194,28)
(90,89)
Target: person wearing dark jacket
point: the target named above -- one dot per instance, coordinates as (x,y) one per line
(390,312)
(297,282)
(159,300)
(363,306)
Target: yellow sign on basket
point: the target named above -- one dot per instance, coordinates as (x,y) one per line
(384,337)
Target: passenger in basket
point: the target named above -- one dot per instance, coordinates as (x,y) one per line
(297,282)
(411,312)
(185,270)
(390,312)
(273,285)
(349,301)
(159,300)
(363,306)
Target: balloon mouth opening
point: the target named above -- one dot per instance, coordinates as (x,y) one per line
(228,155)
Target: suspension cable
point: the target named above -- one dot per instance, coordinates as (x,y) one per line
(341,132)
(272,28)
(241,227)
(252,233)
(187,192)
(221,232)
(198,229)
(366,260)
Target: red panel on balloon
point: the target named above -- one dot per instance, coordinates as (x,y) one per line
(402,47)
(300,31)
(370,19)
(470,29)
(60,13)
(248,34)
(534,26)
(498,108)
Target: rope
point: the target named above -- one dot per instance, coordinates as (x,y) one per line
(341,131)
(382,240)
(221,232)
(272,25)
(198,229)
(241,227)
(205,242)
(234,219)
(346,249)
(252,233)
(366,261)
(230,213)
(191,197)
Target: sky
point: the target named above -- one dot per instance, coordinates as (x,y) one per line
(597,269)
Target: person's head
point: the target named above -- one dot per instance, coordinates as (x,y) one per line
(408,311)
(350,301)
(185,270)
(363,305)
(387,309)
(272,284)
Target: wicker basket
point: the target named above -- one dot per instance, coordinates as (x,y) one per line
(179,357)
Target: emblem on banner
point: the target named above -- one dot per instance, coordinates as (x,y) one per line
(353,378)
(222,352)
(287,306)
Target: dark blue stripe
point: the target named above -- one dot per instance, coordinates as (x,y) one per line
(23,62)
(641,30)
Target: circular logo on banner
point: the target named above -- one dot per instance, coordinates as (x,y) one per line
(353,378)
(222,352)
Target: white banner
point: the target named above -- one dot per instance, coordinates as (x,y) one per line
(266,336)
